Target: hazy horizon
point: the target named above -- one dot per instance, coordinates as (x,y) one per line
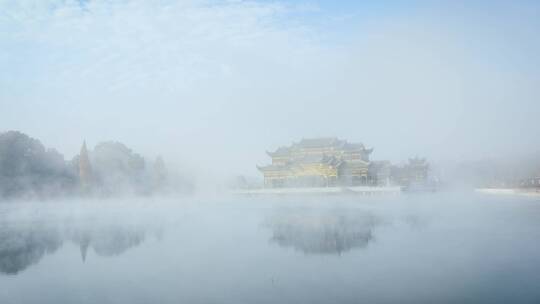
(212,85)
(430,195)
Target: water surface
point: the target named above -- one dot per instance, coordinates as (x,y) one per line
(408,249)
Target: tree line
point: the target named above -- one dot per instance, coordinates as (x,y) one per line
(30,170)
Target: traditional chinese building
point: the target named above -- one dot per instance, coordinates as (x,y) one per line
(319,162)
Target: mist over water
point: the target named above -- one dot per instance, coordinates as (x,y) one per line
(409,249)
(317,151)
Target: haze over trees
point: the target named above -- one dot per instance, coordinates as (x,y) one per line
(117,169)
(495,172)
(28,169)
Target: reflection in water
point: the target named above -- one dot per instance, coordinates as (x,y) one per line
(21,247)
(108,241)
(320,232)
(24,245)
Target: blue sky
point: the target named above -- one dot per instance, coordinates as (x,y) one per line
(231,79)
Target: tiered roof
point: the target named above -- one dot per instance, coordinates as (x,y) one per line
(319,158)
(308,159)
(322,142)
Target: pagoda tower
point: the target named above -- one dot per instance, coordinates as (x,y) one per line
(85,170)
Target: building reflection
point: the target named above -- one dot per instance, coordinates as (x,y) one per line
(322,232)
(24,245)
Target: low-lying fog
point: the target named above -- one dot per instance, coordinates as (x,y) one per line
(125,125)
(409,249)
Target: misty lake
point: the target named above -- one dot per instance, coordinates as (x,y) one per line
(431,248)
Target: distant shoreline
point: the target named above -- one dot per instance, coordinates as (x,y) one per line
(321,190)
(509,191)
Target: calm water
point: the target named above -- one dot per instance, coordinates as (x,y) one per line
(411,249)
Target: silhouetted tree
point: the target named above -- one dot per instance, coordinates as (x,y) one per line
(119,169)
(27,168)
